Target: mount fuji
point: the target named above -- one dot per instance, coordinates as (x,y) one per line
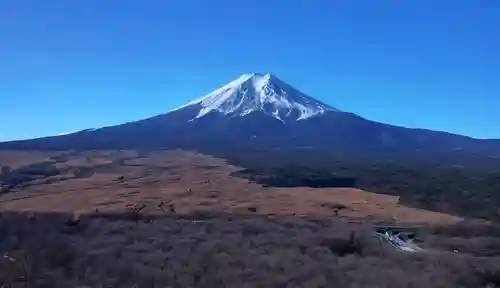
(260,111)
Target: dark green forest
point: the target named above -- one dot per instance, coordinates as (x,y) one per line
(465,190)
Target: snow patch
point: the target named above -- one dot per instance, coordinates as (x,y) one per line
(258,92)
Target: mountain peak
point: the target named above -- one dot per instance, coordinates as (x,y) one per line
(256,92)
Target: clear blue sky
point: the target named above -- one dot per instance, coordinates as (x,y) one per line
(70,65)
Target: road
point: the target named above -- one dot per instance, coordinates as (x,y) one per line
(398,244)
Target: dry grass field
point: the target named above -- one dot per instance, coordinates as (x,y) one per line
(116,181)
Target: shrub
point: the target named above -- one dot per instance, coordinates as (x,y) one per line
(249,251)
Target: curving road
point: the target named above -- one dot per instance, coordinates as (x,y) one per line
(398,244)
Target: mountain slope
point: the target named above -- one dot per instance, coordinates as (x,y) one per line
(260,111)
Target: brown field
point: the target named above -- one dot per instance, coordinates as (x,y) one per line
(189,182)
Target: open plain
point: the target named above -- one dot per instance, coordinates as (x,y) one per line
(184,182)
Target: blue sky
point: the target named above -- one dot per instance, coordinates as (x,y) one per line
(71,65)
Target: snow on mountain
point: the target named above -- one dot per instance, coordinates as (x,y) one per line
(257,92)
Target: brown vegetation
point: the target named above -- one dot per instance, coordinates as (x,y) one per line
(179,219)
(115,181)
(219,250)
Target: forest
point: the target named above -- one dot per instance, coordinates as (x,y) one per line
(49,250)
(464,190)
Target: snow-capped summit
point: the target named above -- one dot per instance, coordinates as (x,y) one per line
(260,92)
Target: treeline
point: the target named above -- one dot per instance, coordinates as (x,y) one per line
(461,190)
(13,178)
(297,176)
